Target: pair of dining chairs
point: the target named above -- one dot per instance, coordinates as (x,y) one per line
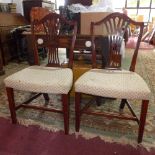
(111,81)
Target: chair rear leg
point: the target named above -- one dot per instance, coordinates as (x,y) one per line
(46,97)
(144,108)
(122,105)
(11,101)
(98,100)
(65,102)
(77,111)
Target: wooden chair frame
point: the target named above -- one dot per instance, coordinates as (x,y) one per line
(78,95)
(51,33)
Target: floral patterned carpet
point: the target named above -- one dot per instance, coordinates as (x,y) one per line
(113,130)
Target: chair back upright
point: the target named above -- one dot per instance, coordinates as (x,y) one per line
(49,37)
(116,25)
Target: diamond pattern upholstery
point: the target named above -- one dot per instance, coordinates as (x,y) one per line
(42,79)
(113,83)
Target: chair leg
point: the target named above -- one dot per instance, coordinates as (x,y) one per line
(46,97)
(144,108)
(122,105)
(65,102)
(11,101)
(98,100)
(77,111)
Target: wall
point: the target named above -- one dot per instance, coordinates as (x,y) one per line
(5,1)
(19,6)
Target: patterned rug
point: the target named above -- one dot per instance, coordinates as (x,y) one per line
(113,130)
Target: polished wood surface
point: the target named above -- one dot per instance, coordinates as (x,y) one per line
(64,42)
(12,19)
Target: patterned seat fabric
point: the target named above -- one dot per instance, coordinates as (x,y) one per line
(42,79)
(113,83)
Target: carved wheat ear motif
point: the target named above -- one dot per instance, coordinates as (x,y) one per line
(116,24)
(49,38)
(51,28)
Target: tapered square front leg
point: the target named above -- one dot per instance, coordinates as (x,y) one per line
(65,102)
(10,95)
(144,108)
(77,111)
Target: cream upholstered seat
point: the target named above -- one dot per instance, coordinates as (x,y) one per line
(42,79)
(112,81)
